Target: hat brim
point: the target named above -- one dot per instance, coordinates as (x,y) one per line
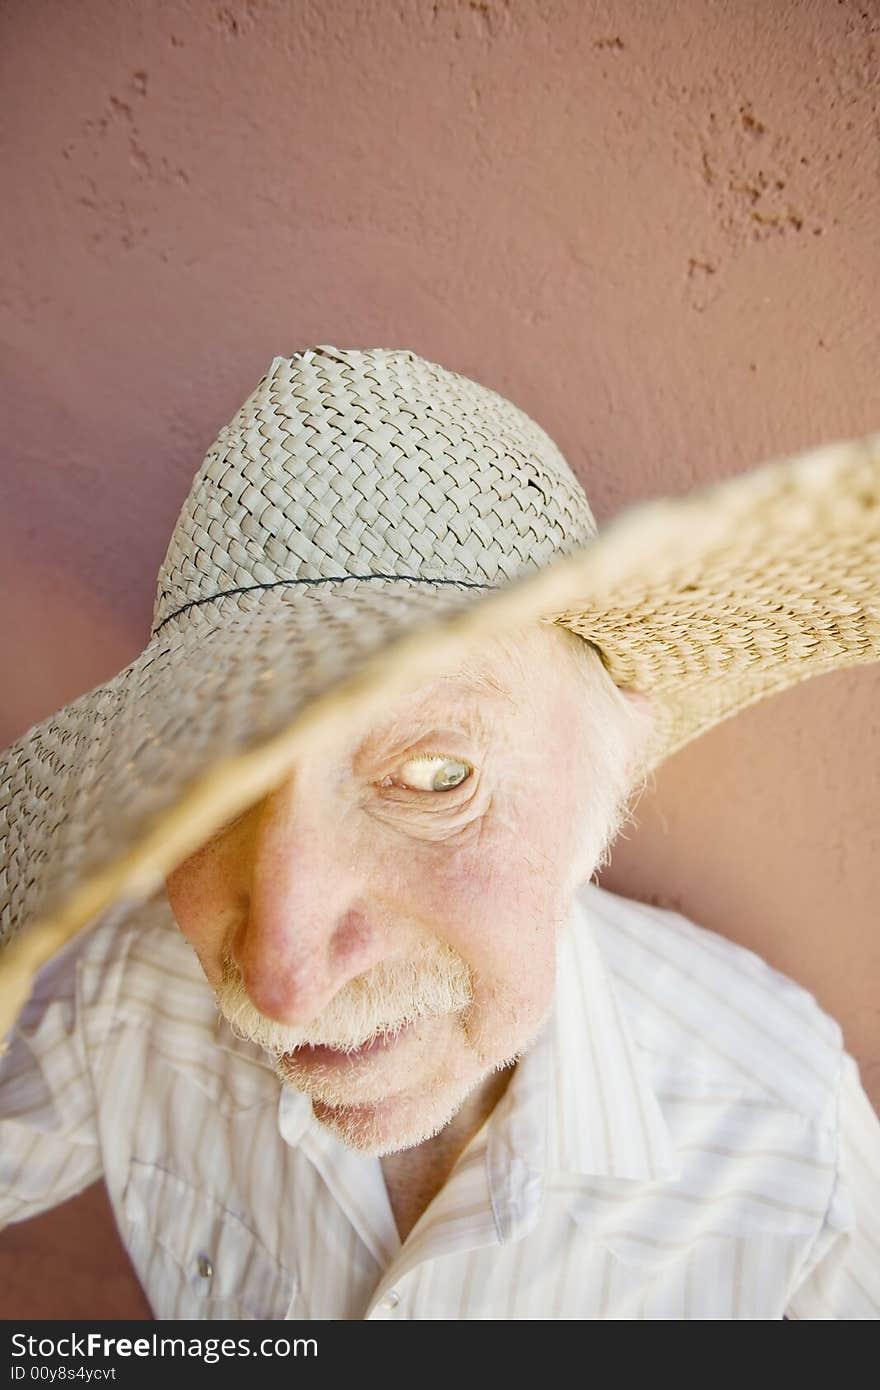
(707,603)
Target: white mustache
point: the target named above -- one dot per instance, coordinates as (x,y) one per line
(388,997)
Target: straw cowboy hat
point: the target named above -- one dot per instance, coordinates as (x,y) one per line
(364,517)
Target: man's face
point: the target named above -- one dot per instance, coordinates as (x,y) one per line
(415,874)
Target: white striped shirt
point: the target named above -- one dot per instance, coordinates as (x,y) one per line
(687,1138)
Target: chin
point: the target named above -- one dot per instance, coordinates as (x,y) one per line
(378,1128)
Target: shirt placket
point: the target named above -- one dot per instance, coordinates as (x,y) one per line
(440,1231)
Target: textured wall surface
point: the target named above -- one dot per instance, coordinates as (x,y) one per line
(654,227)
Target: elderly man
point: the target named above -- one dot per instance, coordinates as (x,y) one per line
(404,893)
(378,1048)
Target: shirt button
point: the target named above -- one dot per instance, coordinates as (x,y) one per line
(206,1269)
(391,1300)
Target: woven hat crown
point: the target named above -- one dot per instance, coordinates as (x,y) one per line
(361,464)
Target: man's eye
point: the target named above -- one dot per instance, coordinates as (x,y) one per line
(430,772)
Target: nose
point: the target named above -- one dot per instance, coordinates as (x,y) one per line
(308,929)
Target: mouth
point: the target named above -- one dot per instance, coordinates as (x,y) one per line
(319,1052)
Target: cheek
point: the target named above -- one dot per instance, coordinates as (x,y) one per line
(497,901)
(200,900)
(508,938)
(180,894)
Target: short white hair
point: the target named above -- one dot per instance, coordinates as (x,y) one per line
(620,730)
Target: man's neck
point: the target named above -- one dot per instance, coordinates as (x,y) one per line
(414,1176)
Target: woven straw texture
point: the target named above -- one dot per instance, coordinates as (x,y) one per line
(363,518)
(379,463)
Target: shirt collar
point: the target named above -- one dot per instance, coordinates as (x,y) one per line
(604,1119)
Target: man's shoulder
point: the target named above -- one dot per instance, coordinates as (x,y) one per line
(130,964)
(709,1009)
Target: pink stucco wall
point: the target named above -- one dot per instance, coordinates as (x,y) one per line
(654,227)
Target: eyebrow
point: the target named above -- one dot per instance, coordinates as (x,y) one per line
(485,687)
(479,684)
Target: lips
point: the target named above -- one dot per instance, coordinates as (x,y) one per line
(316,1052)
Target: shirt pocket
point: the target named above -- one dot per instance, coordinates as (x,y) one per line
(194,1256)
